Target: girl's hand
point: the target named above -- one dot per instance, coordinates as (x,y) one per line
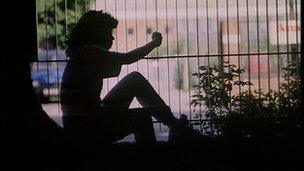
(157,38)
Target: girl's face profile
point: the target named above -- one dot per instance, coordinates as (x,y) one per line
(108,40)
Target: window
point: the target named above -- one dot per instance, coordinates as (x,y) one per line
(149,30)
(167,29)
(130,31)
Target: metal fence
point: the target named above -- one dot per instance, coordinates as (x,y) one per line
(261,36)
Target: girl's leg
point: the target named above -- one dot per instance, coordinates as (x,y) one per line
(108,125)
(144,130)
(120,123)
(135,85)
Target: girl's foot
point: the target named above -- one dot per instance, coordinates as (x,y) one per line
(181,131)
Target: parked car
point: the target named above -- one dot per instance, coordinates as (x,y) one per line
(46,75)
(46,84)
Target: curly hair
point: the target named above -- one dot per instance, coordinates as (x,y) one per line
(93,27)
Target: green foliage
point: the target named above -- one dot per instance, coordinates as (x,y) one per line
(55,18)
(213,91)
(216,82)
(247,114)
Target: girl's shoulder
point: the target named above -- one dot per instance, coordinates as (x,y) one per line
(93,47)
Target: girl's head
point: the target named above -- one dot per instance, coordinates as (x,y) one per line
(93,27)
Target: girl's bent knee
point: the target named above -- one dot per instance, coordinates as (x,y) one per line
(136,74)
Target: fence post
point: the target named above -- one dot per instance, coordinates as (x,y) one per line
(292,16)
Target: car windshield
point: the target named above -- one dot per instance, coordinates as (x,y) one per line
(50,60)
(51,55)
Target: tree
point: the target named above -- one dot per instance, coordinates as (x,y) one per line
(55,18)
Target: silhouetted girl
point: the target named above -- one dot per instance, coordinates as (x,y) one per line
(110,119)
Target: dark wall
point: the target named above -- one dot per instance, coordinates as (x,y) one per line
(27,126)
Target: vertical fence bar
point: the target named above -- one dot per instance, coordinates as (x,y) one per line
(208,58)
(178,60)
(219,40)
(156,26)
(136,33)
(227,32)
(108,83)
(146,33)
(228,45)
(297,49)
(188,65)
(136,36)
(238,40)
(287,40)
(268,50)
(268,47)
(157,50)
(47,47)
(198,60)
(218,30)
(248,44)
(66,20)
(278,46)
(297,34)
(126,33)
(167,52)
(208,38)
(37,41)
(157,53)
(116,35)
(258,46)
(56,45)
(105,5)
(238,46)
